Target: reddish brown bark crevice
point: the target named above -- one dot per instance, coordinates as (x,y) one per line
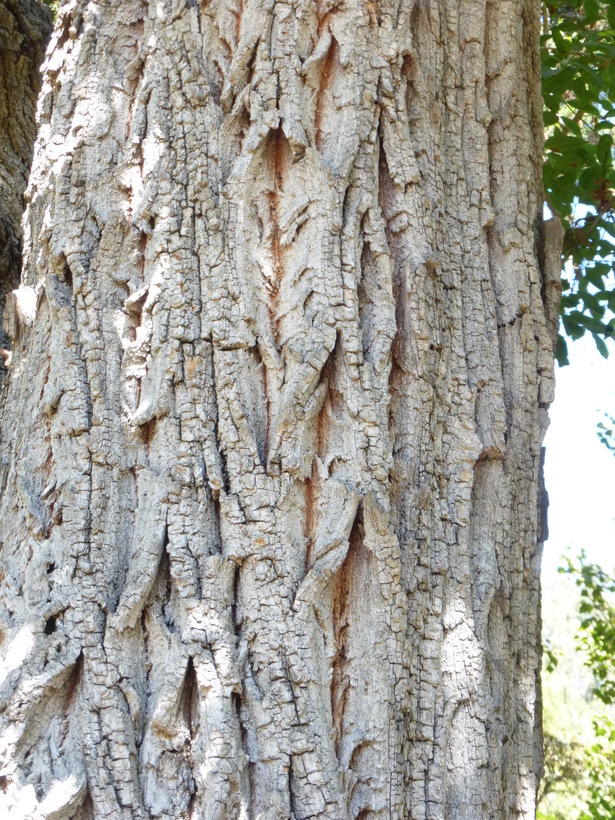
(324,17)
(329,69)
(238,14)
(279,157)
(146,433)
(73,684)
(340,616)
(372,12)
(311,496)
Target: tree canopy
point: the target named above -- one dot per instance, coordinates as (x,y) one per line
(578,71)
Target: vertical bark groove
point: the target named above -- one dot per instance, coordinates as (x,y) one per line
(24,30)
(281,343)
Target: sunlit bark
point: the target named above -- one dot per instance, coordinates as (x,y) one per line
(271,532)
(25,26)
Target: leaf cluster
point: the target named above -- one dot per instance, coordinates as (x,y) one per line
(601,770)
(597,630)
(596,638)
(606,433)
(578,75)
(564,763)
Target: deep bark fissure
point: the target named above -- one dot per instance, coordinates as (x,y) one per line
(24,31)
(282,345)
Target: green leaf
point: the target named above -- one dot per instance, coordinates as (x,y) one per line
(578,69)
(592,10)
(561,352)
(602,348)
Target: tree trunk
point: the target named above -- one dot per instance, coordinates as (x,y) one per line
(271,527)
(25,26)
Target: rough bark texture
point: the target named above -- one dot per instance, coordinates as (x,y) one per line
(25,26)
(272,444)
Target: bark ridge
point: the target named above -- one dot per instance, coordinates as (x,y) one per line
(270,541)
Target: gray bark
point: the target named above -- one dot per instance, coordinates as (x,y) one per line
(270,534)
(25,26)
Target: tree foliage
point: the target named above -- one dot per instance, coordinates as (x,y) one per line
(596,640)
(597,630)
(564,763)
(601,771)
(578,69)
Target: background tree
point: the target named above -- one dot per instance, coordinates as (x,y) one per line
(578,56)
(596,641)
(570,707)
(564,767)
(271,537)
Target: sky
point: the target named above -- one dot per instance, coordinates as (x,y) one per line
(579,470)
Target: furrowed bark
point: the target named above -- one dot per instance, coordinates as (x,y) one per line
(25,26)
(270,534)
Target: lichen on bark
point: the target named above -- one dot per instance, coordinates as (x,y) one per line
(270,539)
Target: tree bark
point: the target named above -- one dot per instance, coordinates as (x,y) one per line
(25,26)
(271,527)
